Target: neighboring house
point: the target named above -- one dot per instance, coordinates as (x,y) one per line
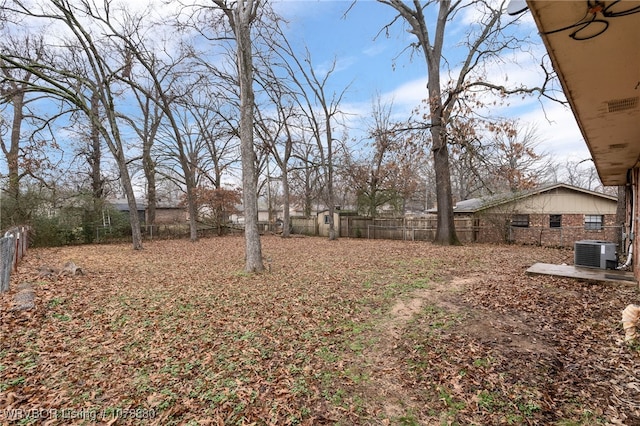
(170,213)
(551,215)
(266,216)
(263,214)
(122,205)
(299,211)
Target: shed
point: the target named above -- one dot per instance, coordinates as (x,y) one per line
(323,221)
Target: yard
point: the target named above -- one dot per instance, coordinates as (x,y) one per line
(349,332)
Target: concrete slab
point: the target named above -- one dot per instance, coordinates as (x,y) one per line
(581,273)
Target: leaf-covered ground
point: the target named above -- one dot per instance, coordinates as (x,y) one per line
(350,332)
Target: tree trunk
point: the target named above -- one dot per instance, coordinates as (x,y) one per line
(445,231)
(134,219)
(372,197)
(308,199)
(329,175)
(253,246)
(149,167)
(95,155)
(192,210)
(332,226)
(286,220)
(332,208)
(152,197)
(14,149)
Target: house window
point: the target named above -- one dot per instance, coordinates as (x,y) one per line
(593,221)
(326,219)
(520,220)
(555,221)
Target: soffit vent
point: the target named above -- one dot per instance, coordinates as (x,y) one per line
(622,104)
(618,145)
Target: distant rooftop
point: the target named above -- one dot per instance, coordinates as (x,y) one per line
(473,205)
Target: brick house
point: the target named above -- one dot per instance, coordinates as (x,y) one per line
(607,111)
(171,213)
(551,215)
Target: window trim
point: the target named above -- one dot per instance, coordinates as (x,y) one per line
(593,222)
(520,220)
(555,221)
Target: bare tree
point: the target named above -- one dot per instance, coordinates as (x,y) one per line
(277,133)
(321,109)
(60,77)
(514,160)
(146,127)
(469,174)
(305,174)
(25,132)
(169,80)
(14,92)
(241,15)
(218,132)
(485,42)
(580,173)
(387,174)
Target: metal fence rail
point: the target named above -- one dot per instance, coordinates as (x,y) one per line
(13,247)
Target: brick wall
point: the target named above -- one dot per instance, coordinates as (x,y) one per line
(496,229)
(170,216)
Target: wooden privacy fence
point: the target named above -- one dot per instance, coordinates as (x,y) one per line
(304,225)
(420,229)
(469,229)
(13,247)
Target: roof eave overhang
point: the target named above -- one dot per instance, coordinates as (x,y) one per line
(600,76)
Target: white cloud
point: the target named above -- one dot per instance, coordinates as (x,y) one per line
(375,49)
(558,131)
(409,94)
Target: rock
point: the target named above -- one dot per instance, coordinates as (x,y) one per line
(71,269)
(47,272)
(24,299)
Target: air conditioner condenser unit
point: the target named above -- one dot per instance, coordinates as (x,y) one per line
(595,254)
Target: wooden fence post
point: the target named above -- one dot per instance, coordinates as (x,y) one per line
(13,246)
(16,252)
(6,261)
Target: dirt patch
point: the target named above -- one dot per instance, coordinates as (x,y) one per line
(516,343)
(441,295)
(387,383)
(512,333)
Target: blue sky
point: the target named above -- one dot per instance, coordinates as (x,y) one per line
(362,58)
(366,62)
(375,66)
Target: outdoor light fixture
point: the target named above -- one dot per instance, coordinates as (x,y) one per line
(516,7)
